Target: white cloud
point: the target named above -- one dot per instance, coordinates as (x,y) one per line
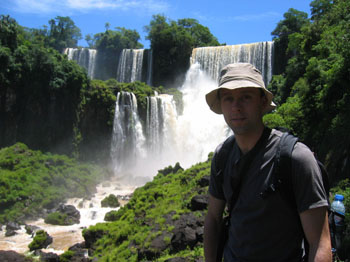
(74,6)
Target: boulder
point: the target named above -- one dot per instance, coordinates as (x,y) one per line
(63,215)
(12,256)
(49,257)
(13,226)
(91,236)
(10,233)
(41,240)
(110,201)
(70,211)
(30,230)
(183,238)
(204,181)
(177,259)
(199,202)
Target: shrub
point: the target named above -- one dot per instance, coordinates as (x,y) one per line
(110,201)
(41,240)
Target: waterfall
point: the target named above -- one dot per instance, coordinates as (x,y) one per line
(213,59)
(149,67)
(188,138)
(153,124)
(84,57)
(127,139)
(169,137)
(130,65)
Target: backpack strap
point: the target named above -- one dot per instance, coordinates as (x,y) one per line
(222,156)
(282,169)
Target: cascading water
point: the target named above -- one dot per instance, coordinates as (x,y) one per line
(128,139)
(188,138)
(149,67)
(85,57)
(64,237)
(167,137)
(171,138)
(154,124)
(130,65)
(212,59)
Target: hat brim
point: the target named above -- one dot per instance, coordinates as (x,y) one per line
(213,101)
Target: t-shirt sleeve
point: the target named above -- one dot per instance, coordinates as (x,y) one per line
(307,180)
(215,186)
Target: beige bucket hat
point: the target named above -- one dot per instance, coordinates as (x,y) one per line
(238,75)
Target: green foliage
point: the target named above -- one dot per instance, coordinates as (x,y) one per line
(95,121)
(63,33)
(172,43)
(170,169)
(316,76)
(40,91)
(112,216)
(109,45)
(110,201)
(67,256)
(56,218)
(8,32)
(147,216)
(293,22)
(31,181)
(39,240)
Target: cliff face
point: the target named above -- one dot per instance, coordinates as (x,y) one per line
(38,106)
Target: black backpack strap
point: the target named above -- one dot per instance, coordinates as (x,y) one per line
(222,156)
(282,170)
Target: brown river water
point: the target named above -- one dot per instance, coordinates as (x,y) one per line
(64,237)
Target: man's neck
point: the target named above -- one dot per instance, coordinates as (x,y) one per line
(246,142)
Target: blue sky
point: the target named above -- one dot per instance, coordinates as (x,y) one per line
(231,21)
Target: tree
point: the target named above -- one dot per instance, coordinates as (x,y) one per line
(319,8)
(63,33)
(110,44)
(172,43)
(293,22)
(8,32)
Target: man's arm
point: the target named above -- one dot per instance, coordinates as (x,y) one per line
(316,229)
(212,226)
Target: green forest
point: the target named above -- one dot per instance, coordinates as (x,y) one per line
(55,122)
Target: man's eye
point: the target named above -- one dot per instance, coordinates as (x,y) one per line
(247,97)
(228,98)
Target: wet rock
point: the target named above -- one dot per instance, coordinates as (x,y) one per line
(188,232)
(41,240)
(183,237)
(70,211)
(13,226)
(10,233)
(12,256)
(30,230)
(199,202)
(80,252)
(63,215)
(204,181)
(177,259)
(49,257)
(91,236)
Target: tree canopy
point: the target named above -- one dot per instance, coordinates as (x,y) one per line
(172,43)
(316,80)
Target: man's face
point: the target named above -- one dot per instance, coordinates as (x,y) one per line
(243,109)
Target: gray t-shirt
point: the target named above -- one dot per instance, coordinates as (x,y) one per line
(268,229)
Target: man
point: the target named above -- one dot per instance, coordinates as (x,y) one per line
(261,229)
